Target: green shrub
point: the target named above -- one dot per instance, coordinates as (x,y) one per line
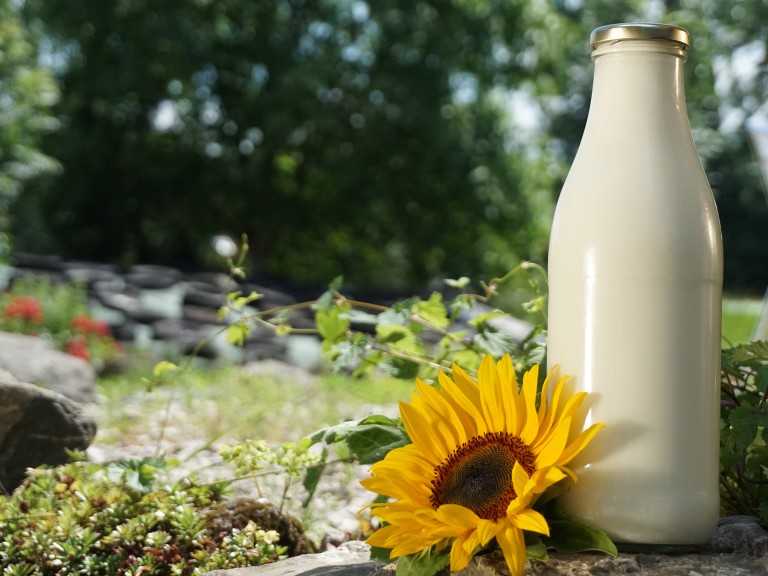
(117,520)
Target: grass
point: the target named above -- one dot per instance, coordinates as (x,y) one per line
(740,315)
(229,401)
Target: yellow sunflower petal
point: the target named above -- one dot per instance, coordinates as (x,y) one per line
(457,515)
(421,434)
(519,482)
(551,414)
(513,546)
(509,394)
(490,395)
(543,404)
(459,556)
(487,530)
(471,392)
(579,443)
(530,383)
(551,452)
(407,547)
(463,405)
(440,405)
(531,520)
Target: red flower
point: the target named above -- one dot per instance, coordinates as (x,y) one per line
(78,347)
(85,325)
(25,308)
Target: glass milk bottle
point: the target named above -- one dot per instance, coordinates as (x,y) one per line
(635,273)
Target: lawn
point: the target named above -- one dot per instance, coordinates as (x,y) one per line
(740,315)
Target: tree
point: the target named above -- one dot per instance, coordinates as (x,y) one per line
(343,137)
(27,92)
(373,140)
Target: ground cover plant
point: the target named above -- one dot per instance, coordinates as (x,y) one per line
(116,520)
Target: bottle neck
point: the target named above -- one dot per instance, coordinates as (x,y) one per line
(638,85)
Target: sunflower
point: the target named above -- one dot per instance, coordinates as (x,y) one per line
(481,454)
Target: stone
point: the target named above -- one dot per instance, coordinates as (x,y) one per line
(349,559)
(34,361)
(739,535)
(38,426)
(738,548)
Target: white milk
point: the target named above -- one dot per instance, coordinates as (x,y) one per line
(635,273)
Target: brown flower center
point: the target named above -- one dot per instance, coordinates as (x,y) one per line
(478,474)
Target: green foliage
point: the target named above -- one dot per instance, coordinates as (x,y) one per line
(59,313)
(308,125)
(291,460)
(369,439)
(423,564)
(83,518)
(27,94)
(744,430)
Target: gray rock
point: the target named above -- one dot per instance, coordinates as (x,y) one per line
(646,564)
(349,559)
(739,535)
(736,549)
(37,427)
(32,360)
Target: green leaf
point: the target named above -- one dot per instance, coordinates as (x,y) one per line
(327,298)
(243,301)
(393,333)
(332,323)
(312,479)
(757,350)
(569,536)
(743,427)
(469,360)
(535,550)
(484,318)
(459,283)
(237,333)
(433,310)
(424,564)
(164,367)
(493,342)
(381,554)
(369,439)
(372,442)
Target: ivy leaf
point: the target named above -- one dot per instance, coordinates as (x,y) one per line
(424,564)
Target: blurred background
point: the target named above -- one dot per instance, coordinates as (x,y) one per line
(395,142)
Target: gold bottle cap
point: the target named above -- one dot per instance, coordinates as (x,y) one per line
(638,31)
